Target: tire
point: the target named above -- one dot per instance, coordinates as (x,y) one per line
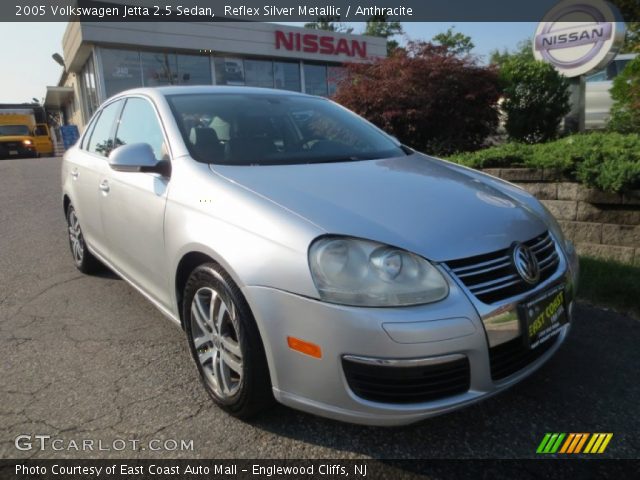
(225,343)
(82,257)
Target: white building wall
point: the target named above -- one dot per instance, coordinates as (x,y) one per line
(241,38)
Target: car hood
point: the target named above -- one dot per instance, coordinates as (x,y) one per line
(414,202)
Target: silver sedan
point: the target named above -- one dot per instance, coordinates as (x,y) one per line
(313,259)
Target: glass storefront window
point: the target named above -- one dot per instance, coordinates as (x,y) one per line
(315,79)
(125,69)
(258,73)
(88,87)
(159,68)
(194,70)
(121,70)
(229,71)
(287,76)
(334,76)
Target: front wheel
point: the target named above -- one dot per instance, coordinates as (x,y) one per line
(82,257)
(225,343)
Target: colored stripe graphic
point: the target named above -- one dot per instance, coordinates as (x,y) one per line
(567,443)
(605,442)
(572,443)
(543,443)
(550,443)
(581,442)
(556,446)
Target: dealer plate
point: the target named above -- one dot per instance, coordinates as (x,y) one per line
(542,316)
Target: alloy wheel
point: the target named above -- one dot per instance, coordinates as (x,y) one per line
(216,342)
(76,241)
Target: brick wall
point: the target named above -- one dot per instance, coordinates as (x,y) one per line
(601,224)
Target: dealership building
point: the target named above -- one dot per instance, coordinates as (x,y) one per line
(102,59)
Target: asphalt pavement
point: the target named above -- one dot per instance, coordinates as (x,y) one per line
(87,357)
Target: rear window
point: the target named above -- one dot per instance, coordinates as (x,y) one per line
(255,129)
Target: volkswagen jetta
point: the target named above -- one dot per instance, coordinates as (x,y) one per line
(312,258)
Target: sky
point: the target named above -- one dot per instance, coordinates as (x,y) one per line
(28,67)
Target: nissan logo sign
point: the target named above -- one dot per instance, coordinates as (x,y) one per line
(579,36)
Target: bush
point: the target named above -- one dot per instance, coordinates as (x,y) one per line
(608,161)
(536,100)
(427,97)
(625,113)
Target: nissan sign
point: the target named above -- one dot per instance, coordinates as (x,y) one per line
(579,36)
(323,44)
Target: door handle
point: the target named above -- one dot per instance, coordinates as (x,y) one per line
(74,174)
(104,186)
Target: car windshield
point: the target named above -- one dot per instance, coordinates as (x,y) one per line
(9,130)
(268,129)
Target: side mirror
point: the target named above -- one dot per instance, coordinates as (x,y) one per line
(138,157)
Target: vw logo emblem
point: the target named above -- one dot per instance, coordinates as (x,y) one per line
(526,263)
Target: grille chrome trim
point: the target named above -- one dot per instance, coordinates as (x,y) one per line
(491,278)
(481,286)
(463,269)
(498,287)
(404,362)
(485,270)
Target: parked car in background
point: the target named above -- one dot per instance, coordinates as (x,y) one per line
(311,257)
(598,101)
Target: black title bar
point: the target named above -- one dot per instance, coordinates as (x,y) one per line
(286,10)
(326,469)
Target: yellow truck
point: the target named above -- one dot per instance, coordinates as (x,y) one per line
(21,136)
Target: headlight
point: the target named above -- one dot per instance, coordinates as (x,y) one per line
(351,271)
(27,142)
(555,229)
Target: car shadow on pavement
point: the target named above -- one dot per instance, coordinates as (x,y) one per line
(106,273)
(586,387)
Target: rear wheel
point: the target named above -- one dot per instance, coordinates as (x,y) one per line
(225,343)
(82,257)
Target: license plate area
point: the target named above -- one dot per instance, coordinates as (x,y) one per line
(542,316)
(13,152)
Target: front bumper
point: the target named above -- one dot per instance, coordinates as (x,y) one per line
(16,150)
(452,327)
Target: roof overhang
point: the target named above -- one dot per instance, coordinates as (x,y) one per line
(58,96)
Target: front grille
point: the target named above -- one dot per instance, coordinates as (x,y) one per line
(11,145)
(512,356)
(380,383)
(492,277)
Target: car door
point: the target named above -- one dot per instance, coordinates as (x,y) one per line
(133,203)
(87,165)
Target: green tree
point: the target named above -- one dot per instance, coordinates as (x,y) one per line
(524,51)
(536,98)
(625,113)
(632,41)
(630,10)
(456,43)
(330,23)
(378,26)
